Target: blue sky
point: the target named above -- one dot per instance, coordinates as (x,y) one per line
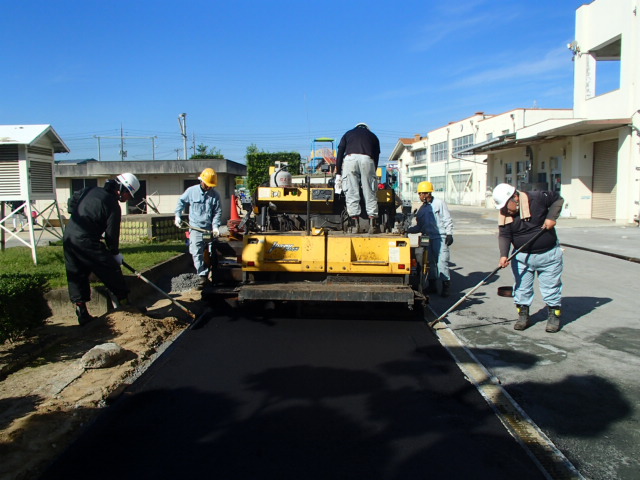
(274,73)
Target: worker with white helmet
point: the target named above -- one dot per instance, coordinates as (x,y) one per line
(205,211)
(356,164)
(434,221)
(522,215)
(95,212)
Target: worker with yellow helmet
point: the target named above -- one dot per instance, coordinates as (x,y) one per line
(434,220)
(204,214)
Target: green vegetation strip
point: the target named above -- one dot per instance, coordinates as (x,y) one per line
(51,259)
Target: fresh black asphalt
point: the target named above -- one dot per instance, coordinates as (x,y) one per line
(249,397)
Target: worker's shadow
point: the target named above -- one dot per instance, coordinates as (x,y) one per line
(573,308)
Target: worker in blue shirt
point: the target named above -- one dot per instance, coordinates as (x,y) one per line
(204,214)
(434,220)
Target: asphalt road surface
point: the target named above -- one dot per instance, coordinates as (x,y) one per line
(249,397)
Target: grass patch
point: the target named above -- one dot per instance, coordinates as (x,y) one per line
(51,259)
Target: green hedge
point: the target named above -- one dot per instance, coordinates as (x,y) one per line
(22,303)
(258,166)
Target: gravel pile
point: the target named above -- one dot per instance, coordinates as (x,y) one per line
(184,282)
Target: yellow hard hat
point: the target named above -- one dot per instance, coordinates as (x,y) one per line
(209,177)
(425,187)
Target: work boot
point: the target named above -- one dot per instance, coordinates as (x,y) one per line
(553,320)
(446,286)
(432,286)
(83,314)
(354,225)
(202,282)
(523,317)
(126,305)
(373,225)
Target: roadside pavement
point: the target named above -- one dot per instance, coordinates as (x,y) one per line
(579,385)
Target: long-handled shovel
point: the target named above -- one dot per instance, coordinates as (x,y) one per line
(485,279)
(165,294)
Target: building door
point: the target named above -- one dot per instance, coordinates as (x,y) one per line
(605,173)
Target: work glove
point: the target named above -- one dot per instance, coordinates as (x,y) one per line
(338,184)
(448,240)
(178,221)
(215,232)
(118,258)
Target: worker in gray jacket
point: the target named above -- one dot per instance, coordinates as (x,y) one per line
(434,220)
(204,214)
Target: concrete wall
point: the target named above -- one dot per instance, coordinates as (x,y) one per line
(141,292)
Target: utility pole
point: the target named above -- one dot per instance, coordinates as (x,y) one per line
(177,153)
(123,153)
(122,138)
(182,120)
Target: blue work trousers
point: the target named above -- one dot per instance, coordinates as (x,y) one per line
(196,249)
(439,255)
(548,266)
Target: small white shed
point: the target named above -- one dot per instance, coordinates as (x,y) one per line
(27,174)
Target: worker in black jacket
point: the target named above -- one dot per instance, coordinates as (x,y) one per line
(95,212)
(522,216)
(356,164)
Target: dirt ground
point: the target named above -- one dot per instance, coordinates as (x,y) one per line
(47,397)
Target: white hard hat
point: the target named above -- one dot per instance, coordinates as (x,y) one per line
(502,193)
(362,124)
(129,181)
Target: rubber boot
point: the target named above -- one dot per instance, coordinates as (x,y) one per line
(553,320)
(83,314)
(523,317)
(373,225)
(446,287)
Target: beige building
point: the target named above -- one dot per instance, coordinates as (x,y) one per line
(161,181)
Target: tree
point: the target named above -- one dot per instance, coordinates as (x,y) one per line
(253,148)
(258,166)
(203,151)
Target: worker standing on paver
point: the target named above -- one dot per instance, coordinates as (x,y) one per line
(95,212)
(204,214)
(434,221)
(522,215)
(356,164)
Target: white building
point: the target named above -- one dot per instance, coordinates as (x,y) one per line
(446,156)
(592,155)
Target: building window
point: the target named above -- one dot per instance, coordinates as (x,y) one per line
(439,152)
(508,168)
(420,156)
(607,71)
(462,142)
(438,183)
(489,136)
(78,184)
